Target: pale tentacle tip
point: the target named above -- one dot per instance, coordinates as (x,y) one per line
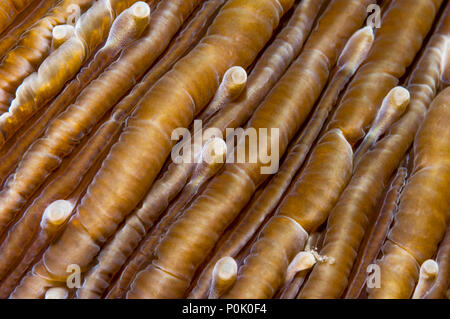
(56,293)
(429,268)
(427,276)
(238,75)
(224,276)
(357,49)
(63,31)
(400,97)
(226,268)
